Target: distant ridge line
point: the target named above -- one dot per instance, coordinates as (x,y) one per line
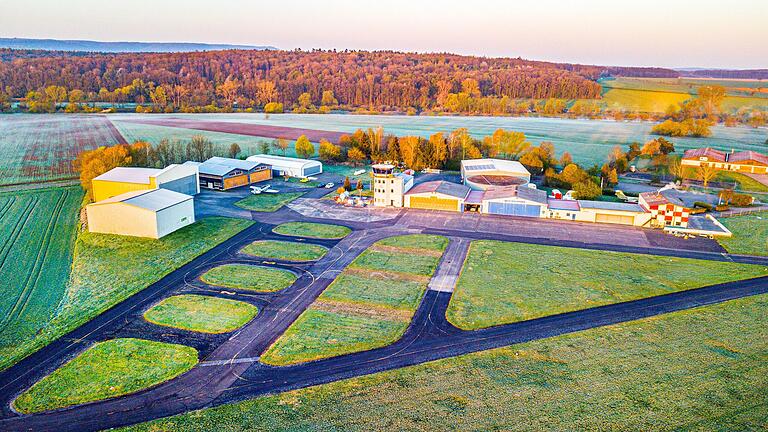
(119,47)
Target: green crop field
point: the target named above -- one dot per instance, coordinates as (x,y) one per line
(249,277)
(107,269)
(363,308)
(507,282)
(700,369)
(106,370)
(41,147)
(283,250)
(750,234)
(37,237)
(312,230)
(201,313)
(265,202)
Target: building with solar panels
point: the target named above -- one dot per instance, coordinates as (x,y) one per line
(483,174)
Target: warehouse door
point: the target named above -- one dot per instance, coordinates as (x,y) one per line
(434,203)
(235,181)
(514,209)
(614,219)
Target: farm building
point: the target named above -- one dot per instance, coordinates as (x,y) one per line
(515,201)
(389,186)
(612,212)
(225,173)
(145,213)
(288,166)
(481,174)
(745,161)
(178,178)
(437,195)
(665,207)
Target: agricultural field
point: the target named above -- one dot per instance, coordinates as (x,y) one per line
(265,202)
(200,313)
(365,307)
(106,370)
(40,147)
(249,277)
(283,250)
(37,238)
(312,230)
(107,269)
(699,369)
(497,287)
(750,234)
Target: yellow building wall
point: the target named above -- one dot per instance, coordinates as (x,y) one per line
(262,175)
(103,189)
(122,219)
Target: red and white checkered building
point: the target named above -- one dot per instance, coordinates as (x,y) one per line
(665,209)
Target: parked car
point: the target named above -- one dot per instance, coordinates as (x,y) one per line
(329,185)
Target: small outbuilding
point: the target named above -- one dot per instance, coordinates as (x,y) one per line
(221,173)
(288,166)
(178,178)
(149,213)
(482,174)
(437,195)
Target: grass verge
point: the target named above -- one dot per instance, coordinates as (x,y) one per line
(508,282)
(200,313)
(249,277)
(106,370)
(284,250)
(701,369)
(265,202)
(312,230)
(750,234)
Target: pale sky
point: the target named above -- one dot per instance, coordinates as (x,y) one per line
(668,33)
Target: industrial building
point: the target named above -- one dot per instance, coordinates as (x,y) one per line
(515,201)
(482,174)
(389,186)
(288,166)
(221,173)
(437,195)
(144,213)
(749,162)
(178,178)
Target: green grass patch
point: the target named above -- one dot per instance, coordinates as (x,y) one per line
(199,313)
(249,277)
(420,241)
(106,370)
(284,250)
(312,230)
(107,269)
(393,293)
(743,182)
(701,369)
(396,262)
(750,234)
(508,282)
(266,202)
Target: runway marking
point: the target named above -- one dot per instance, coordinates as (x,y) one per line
(229,361)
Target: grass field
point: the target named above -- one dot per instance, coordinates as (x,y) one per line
(283,250)
(701,369)
(312,230)
(40,147)
(106,370)
(364,308)
(249,277)
(508,282)
(750,234)
(265,202)
(37,238)
(742,182)
(199,313)
(107,269)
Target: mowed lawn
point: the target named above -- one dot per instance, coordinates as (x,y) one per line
(201,313)
(37,238)
(367,306)
(701,369)
(507,282)
(107,269)
(312,230)
(284,250)
(249,277)
(266,202)
(743,182)
(750,234)
(108,369)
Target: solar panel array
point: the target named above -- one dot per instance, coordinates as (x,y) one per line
(479,167)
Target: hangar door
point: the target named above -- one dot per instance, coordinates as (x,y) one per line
(514,209)
(614,219)
(434,203)
(186,185)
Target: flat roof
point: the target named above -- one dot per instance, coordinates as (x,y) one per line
(561,204)
(489,164)
(153,199)
(442,187)
(608,205)
(129,175)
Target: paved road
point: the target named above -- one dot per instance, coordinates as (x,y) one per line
(230,369)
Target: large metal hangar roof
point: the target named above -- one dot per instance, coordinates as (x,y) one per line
(283,161)
(129,175)
(475,166)
(442,187)
(153,199)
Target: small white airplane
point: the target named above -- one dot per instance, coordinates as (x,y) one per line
(359,172)
(267,188)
